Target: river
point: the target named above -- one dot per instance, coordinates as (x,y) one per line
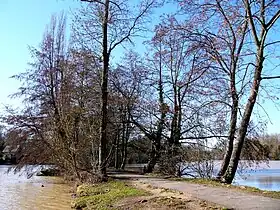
(264,177)
(19,193)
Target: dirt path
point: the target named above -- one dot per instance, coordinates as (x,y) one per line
(228,198)
(163,199)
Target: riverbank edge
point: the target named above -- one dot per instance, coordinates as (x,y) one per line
(210,183)
(130,177)
(240,188)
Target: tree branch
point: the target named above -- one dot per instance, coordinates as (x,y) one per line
(252,24)
(92,1)
(273,77)
(131,28)
(203,137)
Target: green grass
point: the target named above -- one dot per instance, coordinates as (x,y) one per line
(252,190)
(102,196)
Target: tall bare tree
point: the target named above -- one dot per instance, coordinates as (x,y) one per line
(109,24)
(262,17)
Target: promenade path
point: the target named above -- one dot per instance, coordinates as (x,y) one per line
(226,197)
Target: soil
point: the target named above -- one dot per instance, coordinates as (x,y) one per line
(162,199)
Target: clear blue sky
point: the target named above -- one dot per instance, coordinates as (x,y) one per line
(22,23)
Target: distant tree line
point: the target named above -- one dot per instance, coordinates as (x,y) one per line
(271,144)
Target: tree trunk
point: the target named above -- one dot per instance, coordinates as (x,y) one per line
(117,142)
(154,156)
(102,163)
(125,141)
(156,141)
(124,156)
(232,130)
(231,170)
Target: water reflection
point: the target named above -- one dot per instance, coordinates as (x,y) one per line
(19,193)
(265,179)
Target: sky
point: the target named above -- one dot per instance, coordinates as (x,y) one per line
(22,24)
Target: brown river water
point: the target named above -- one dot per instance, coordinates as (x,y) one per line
(19,193)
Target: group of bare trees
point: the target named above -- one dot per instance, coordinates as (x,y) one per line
(195,87)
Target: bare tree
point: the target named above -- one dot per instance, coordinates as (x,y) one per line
(226,47)
(59,93)
(262,17)
(223,32)
(108,24)
(127,82)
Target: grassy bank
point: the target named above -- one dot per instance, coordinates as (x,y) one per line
(252,190)
(120,195)
(102,196)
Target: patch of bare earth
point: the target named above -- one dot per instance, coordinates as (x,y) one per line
(162,199)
